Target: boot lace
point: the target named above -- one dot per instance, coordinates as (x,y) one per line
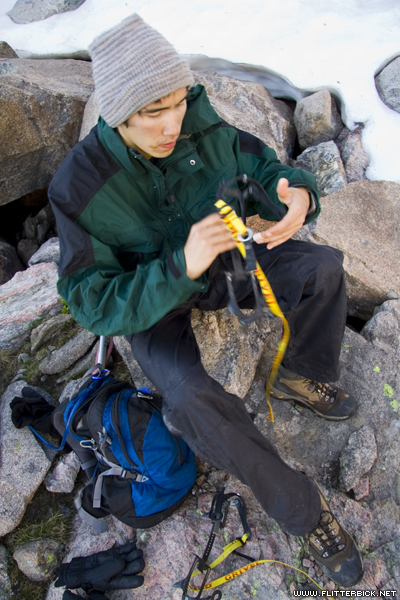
(327,536)
(326,392)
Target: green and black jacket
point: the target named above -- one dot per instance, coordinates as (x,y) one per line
(123,221)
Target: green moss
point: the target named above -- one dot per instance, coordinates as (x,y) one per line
(120,370)
(388,390)
(53,526)
(36,322)
(67,332)
(65,309)
(8,367)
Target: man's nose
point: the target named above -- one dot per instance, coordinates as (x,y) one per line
(172,125)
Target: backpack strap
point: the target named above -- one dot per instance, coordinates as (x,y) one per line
(118,471)
(89,463)
(98,525)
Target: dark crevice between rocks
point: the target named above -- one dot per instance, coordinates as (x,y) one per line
(13,215)
(355,323)
(25,225)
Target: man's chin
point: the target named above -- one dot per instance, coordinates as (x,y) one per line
(162,153)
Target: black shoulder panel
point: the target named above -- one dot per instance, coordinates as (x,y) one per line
(81,175)
(248,143)
(83,172)
(76,250)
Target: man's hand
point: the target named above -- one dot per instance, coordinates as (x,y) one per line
(207,238)
(298,201)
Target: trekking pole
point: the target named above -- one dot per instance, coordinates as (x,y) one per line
(101,352)
(102,356)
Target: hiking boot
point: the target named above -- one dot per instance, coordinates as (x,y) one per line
(327,401)
(334,550)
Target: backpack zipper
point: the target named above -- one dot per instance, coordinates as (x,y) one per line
(115,420)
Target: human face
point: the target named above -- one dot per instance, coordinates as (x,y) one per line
(155,129)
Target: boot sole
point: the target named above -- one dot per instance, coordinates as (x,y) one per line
(283,396)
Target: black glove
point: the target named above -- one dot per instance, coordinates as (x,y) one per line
(67,595)
(32,409)
(114,569)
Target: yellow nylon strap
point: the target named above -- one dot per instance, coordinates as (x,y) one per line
(235,226)
(227,550)
(234,574)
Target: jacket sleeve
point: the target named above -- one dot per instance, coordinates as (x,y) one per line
(105,299)
(261,163)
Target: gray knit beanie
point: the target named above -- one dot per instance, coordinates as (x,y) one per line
(133,66)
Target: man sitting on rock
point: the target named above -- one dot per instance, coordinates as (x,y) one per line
(142,244)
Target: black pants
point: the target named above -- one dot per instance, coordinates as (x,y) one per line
(308,283)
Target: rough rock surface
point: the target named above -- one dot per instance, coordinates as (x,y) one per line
(45,331)
(357,457)
(229,352)
(372,250)
(42,103)
(9,262)
(354,157)
(67,355)
(5,583)
(81,366)
(325,163)
(317,119)
(48,252)
(26,249)
(38,228)
(361,489)
(251,107)
(384,327)
(23,464)
(28,11)
(90,116)
(61,479)
(39,559)
(29,295)
(6,51)
(388,84)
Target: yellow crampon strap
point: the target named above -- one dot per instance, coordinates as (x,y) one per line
(234,574)
(227,550)
(235,226)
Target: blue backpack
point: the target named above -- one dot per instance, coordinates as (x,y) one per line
(137,470)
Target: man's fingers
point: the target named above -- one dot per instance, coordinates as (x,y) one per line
(206,240)
(282,189)
(273,237)
(213,232)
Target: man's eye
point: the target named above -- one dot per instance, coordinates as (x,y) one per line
(154,114)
